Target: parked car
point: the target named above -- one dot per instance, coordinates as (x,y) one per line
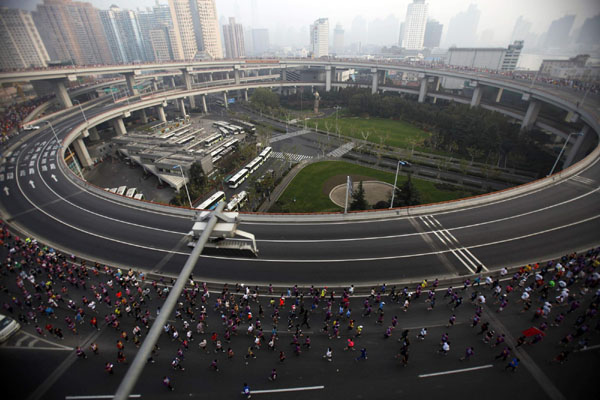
(8,327)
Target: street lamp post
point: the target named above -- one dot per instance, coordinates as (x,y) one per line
(394,188)
(81,108)
(68,148)
(562,150)
(184,183)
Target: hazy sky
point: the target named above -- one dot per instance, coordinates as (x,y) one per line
(497,15)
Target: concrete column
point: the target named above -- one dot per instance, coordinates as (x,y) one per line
(130,79)
(82,153)
(531,115)
(225,100)
(210,76)
(476,98)
(374,85)
(499,95)
(246,94)
(236,74)
(61,93)
(578,150)
(204,107)
(226,75)
(327,78)
(187,80)
(284,74)
(423,90)
(143,116)
(155,85)
(161,113)
(182,107)
(119,126)
(438,81)
(93,132)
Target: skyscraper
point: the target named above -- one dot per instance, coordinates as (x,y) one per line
(260,41)
(590,31)
(123,34)
(558,32)
(22,46)
(319,38)
(414,25)
(233,34)
(433,34)
(462,29)
(206,23)
(185,44)
(72,31)
(338,39)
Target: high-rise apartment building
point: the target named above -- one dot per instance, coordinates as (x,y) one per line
(206,23)
(72,31)
(414,25)
(185,44)
(433,34)
(462,29)
(558,32)
(233,35)
(123,34)
(590,31)
(319,38)
(338,39)
(260,41)
(22,46)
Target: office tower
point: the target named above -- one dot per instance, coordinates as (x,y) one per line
(233,35)
(146,23)
(414,25)
(260,41)
(319,38)
(123,35)
(22,46)
(433,34)
(72,31)
(206,24)
(558,32)
(185,44)
(522,29)
(338,39)
(590,31)
(358,30)
(462,29)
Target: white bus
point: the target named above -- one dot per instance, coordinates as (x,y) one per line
(121,190)
(237,201)
(131,192)
(217,151)
(254,164)
(238,178)
(248,127)
(236,129)
(212,139)
(231,143)
(212,201)
(266,153)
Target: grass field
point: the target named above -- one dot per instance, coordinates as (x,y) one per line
(395,133)
(306,193)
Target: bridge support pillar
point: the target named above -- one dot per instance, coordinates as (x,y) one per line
(531,115)
(82,153)
(581,146)
(119,126)
(187,80)
(499,95)
(236,74)
(160,110)
(93,134)
(130,79)
(210,76)
(423,89)
(204,107)
(283,74)
(143,116)
(246,94)
(328,78)
(374,85)
(182,108)
(476,98)
(61,93)
(155,85)
(225,100)
(438,81)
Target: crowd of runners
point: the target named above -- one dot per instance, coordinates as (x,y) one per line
(58,295)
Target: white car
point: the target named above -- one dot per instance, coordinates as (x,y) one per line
(8,327)
(30,127)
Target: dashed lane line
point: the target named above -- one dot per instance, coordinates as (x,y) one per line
(456,371)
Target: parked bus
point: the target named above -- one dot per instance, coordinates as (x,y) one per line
(231,144)
(236,129)
(266,153)
(248,127)
(238,178)
(254,164)
(212,139)
(217,151)
(212,201)
(237,201)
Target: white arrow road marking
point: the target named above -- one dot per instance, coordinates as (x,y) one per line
(52,166)
(31,171)
(44,168)
(32,184)
(6,190)
(22,172)
(54,177)
(1,177)
(10,176)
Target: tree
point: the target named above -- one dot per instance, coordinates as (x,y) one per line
(407,194)
(358,199)
(264,98)
(197,177)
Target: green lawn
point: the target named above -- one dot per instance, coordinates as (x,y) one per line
(305,193)
(395,133)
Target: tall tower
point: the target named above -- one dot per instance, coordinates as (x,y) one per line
(338,39)
(206,24)
(233,34)
(414,25)
(22,46)
(185,45)
(319,38)
(123,34)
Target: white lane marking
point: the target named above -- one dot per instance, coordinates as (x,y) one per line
(52,166)
(296,389)
(456,371)
(21,340)
(584,180)
(47,341)
(31,171)
(32,163)
(1,177)
(10,176)
(32,343)
(32,184)
(446,243)
(22,172)
(6,191)
(101,396)
(34,348)
(589,348)
(44,168)
(416,233)
(54,177)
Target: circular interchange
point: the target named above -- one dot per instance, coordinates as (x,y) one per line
(537,221)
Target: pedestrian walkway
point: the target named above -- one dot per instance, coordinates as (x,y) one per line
(288,135)
(290,156)
(340,151)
